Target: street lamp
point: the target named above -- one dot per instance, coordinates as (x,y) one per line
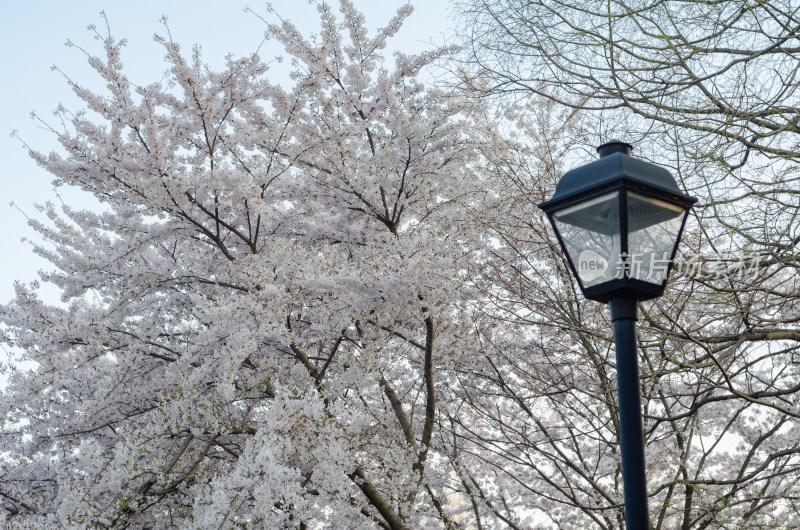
(618,220)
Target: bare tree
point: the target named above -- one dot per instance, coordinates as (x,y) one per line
(727,69)
(717,359)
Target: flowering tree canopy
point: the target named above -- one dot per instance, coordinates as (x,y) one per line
(257,322)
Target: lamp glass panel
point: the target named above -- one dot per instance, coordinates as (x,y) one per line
(590,231)
(653,227)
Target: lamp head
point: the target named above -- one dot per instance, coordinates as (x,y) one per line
(618,220)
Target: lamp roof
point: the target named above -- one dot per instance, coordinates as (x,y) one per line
(614,166)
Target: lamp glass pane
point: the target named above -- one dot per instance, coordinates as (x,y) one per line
(653,233)
(590,231)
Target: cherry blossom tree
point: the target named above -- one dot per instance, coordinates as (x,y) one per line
(257,324)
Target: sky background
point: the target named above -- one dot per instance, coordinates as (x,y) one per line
(33,36)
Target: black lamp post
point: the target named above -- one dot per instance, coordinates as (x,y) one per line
(618,220)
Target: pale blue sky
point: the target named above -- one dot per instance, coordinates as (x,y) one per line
(33,36)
